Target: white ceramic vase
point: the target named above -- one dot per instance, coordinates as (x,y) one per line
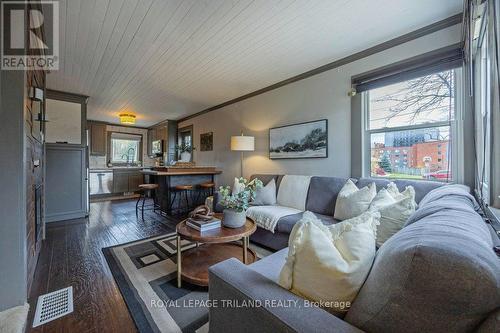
(233,218)
(185,156)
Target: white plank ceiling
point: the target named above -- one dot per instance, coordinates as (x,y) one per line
(165,59)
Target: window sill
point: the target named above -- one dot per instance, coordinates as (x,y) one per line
(494,216)
(125,166)
(495,212)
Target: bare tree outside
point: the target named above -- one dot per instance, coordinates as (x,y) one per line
(421,98)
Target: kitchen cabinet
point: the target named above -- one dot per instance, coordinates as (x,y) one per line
(161,133)
(127,180)
(97,139)
(171,140)
(134,180)
(157,133)
(120,182)
(150,141)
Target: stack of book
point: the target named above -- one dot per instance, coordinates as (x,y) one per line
(202,226)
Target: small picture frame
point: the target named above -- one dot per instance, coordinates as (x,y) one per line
(207,141)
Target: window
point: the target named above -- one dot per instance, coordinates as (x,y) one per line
(414,116)
(125,148)
(64,122)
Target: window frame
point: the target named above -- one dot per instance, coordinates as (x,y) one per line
(455,124)
(140,157)
(482,115)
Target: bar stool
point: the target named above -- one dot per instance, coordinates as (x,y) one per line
(187,191)
(205,190)
(144,188)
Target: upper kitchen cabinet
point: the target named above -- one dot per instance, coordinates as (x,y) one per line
(97,138)
(150,137)
(154,134)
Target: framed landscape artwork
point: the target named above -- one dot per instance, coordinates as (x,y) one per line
(207,141)
(303,140)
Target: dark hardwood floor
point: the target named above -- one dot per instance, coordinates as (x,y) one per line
(71,256)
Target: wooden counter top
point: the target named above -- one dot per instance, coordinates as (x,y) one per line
(182,172)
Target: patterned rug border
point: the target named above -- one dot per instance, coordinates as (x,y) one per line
(144,320)
(136,309)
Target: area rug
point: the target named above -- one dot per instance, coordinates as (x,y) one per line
(146,274)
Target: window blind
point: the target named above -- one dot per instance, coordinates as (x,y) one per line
(126,136)
(432,62)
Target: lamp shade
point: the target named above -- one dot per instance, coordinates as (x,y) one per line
(242,143)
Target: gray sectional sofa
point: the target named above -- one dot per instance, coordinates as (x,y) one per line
(321,199)
(438,274)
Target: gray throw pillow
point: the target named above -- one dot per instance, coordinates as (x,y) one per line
(266,195)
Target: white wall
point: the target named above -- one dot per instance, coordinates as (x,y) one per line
(320,96)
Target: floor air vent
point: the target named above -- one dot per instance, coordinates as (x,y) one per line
(53,305)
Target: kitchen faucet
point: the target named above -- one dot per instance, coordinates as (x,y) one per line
(127,155)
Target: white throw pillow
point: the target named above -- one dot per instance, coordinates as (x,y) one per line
(395,208)
(353,201)
(266,195)
(382,199)
(237,186)
(293,191)
(394,191)
(330,263)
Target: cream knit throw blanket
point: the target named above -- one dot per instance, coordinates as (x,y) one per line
(292,196)
(268,216)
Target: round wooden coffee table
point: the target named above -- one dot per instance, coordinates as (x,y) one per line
(217,245)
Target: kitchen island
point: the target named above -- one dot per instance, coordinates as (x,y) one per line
(169,177)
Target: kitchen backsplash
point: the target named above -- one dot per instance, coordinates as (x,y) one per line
(98,162)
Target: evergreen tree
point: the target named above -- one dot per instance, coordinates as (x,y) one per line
(385,163)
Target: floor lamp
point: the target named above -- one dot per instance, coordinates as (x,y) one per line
(242,143)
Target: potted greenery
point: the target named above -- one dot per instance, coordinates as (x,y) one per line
(236,204)
(185,151)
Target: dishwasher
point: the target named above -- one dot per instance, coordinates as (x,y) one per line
(101,182)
